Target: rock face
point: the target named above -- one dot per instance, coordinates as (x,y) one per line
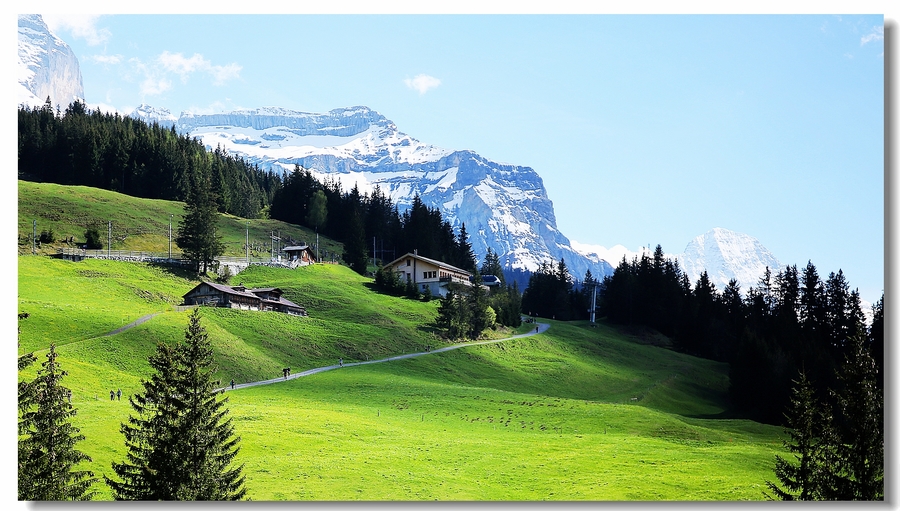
(503,206)
(47,66)
(727,255)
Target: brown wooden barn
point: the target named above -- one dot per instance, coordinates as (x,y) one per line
(239,297)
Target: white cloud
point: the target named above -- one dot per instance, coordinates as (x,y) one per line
(153,86)
(155,77)
(422,83)
(106,59)
(184,67)
(877,34)
(81,26)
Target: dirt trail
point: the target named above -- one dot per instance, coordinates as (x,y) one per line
(540,328)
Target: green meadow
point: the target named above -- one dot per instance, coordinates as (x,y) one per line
(574,413)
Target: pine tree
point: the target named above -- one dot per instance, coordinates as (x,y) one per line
(808,479)
(47,454)
(181,444)
(861,405)
(479,319)
(355,253)
(198,231)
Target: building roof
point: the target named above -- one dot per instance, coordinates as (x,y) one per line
(225,289)
(439,264)
(296,248)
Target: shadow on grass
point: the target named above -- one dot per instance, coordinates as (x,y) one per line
(177,270)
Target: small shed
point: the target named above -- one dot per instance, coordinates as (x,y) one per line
(300,255)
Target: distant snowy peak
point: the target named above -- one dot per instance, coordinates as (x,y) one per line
(727,255)
(613,255)
(150,114)
(47,66)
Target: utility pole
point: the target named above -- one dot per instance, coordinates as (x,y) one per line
(247,244)
(317,243)
(594,304)
(171,216)
(374,262)
(109,240)
(33,236)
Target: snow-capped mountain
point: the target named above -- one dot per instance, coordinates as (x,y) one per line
(727,255)
(149,114)
(724,254)
(47,66)
(503,206)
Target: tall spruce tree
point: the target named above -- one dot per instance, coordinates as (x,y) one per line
(181,445)
(47,438)
(861,406)
(808,428)
(198,231)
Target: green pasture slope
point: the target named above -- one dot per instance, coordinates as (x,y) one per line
(137,224)
(576,413)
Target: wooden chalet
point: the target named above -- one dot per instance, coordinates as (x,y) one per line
(239,297)
(429,274)
(300,255)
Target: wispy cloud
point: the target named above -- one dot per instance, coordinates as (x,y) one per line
(81,26)
(184,67)
(106,59)
(156,77)
(877,34)
(422,83)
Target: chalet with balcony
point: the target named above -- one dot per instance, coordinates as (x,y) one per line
(429,275)
(239,297)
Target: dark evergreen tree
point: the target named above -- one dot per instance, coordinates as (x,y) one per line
(479,316)
(355,246)
(92,239)
(492,266)
(861,429)
(47,454)
(181,443)
(808,427)
(876,335)
(198,230)
(466,256)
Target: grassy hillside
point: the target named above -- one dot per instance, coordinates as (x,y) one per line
(571,414)
(137,224)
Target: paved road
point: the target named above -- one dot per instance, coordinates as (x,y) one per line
(540,328)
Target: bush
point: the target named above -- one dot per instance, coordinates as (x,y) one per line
(92,239)
(47,236)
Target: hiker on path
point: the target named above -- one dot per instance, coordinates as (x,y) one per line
(341,361)
(537,329)
(112,395)
(232,384)
(119,395)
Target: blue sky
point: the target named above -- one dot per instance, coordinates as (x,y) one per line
(648,129)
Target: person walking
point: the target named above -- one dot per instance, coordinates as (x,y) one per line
(119,395)
(232,384)
(112,395)
(341,361)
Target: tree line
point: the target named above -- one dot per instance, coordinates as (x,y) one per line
(800,354)
(791,321)
(108,151)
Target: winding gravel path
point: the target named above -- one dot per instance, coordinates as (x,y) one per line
(133,324)
(541,327)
